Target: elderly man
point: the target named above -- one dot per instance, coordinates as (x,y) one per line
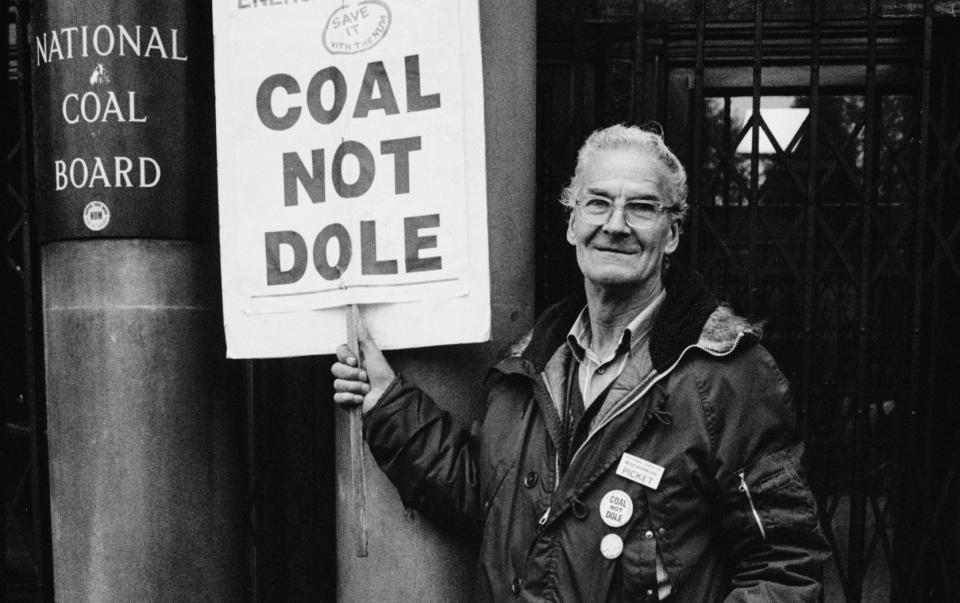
(639,444)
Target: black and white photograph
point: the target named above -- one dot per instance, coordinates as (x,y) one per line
(462,300)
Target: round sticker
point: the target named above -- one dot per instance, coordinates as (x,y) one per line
(616,508)
(96,215)
(355,28)
(611,546)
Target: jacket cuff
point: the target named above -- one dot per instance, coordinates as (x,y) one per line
(391,391)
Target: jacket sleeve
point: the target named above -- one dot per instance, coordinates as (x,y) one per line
(431,461)
(768,513)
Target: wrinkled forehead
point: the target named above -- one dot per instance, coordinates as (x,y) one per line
(617,165)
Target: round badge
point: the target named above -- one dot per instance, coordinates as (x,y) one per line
(96,215)
(616,508)
(611,546)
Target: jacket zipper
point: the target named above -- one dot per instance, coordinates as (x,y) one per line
(556,484)
(756,516)
(649,385)
(556,454)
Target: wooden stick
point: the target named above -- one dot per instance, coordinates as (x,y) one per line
(357,474)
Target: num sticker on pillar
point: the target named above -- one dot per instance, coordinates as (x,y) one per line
(96,215)
(351,165)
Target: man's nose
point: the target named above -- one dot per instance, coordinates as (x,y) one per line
(616,222)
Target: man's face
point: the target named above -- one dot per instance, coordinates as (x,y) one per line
(615,254)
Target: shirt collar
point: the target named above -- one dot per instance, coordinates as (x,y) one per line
(579,336)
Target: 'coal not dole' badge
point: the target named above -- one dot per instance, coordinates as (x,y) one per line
(616,508)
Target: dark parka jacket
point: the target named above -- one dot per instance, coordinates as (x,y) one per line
(731,518)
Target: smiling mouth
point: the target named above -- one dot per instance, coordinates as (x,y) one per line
(617,250)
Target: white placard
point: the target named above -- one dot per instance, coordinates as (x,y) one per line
(350,148)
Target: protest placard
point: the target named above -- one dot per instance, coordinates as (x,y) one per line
(350,171)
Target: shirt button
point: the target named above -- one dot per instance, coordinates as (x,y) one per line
(648,534)
(517,585)
(662,531)
(649,592)
(531,479)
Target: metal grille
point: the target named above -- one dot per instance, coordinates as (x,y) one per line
(25,495)
(822,142)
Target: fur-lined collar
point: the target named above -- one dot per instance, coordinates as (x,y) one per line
(690,315)
(723,328)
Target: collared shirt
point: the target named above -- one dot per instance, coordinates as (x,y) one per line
(595,374)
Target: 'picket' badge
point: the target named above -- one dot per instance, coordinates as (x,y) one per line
(616,508)
(638,470)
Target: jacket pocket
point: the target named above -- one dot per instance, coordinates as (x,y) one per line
(773,498)
(638,564)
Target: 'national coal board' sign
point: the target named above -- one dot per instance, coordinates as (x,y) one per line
(123,118)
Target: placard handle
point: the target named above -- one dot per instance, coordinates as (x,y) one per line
(357,473)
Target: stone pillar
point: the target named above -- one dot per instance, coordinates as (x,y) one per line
(144,416)
(408,559)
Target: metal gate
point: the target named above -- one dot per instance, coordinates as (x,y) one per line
(823,146)
(25,497)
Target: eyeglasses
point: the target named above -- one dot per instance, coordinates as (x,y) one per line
(596,210)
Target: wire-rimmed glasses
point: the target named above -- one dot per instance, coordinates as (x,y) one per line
(596,210)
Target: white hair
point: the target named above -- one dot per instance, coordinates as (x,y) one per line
(651,144)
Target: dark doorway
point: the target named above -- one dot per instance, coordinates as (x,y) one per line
(292,503)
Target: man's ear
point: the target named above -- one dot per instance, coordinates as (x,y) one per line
(674,237)
(571,238)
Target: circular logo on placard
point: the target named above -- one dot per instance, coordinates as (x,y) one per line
(96,215)
(356,26)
